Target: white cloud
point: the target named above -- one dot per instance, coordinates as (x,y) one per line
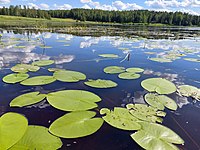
(116,5)
(32,5)
(4,1)
(86,6)
(125,6)
(44,6)
(85,1)
(172,3)
(63,7)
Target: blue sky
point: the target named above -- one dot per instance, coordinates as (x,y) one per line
(189,6)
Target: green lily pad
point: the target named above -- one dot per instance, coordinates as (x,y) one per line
(69,76)
(76,124)
(73,100)
(188,90)
(146,113)
(99,83)
(120,118)
(114,69)
(155,136)
(37,138)
(135,70)
(160,101)
(23,68)
(20,47)
(162,60)
(129,75)
(12,126)
(54,69)
(27,99)
(15,78)
(39,80)
(109,55)
(159,85)
(41,63)
(192,59)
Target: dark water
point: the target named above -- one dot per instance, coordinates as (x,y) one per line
(81,54)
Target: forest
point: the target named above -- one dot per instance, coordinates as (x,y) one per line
(129,16)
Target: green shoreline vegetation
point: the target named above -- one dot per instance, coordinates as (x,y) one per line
(95,16)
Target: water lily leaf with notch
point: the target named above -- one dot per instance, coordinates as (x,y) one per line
(160,101)
(73,100)
(135,70)
(45,47)
(146,113)
(41,63)
(129,75)
(37,137)
(15,78)
(162,60)
(120,118)
(39,80)
(188,90)
(159,85)
(23,68)
(76,124)
(154,136)
(69,76)
(109,55)
(192,59)
(12,126)
(27,99)
(114,69)
(99,83)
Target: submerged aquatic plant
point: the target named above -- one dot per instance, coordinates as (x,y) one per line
(99,83)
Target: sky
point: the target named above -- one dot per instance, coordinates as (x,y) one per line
(188,6)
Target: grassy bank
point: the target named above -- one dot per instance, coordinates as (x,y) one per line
(14,21)
(24,22)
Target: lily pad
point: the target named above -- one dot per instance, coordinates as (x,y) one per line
(41,63)
(162,60)
(69,76)
(15,78)
(23,68)
(155,136)
(120,118)
(27,99)
(159,85)
(135,70)
(188,90)
(76,124)
(129,75)
(146,113)
(12,126)
(37,138)
(109,55)
(192,59)
(39,80)
(114,69)
(160,101)
(99,83)
(54,69)
(73,100)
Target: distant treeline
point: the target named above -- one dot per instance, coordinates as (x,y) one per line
(130,16)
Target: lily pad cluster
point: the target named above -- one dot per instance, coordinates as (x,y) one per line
(17,134)
(142,118)
(189,91)
(129,73)
(79,122)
